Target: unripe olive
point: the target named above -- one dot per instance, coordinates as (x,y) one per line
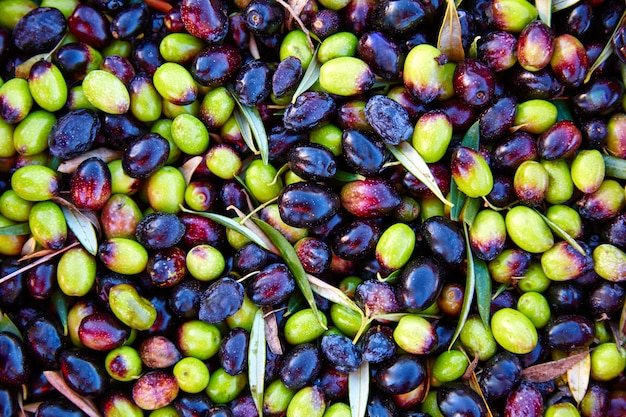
(123,363)
(563,409)
(562,262)
(47,86)
(567,219)
(423,73)
(76,272)
(198,339)
(514,331)
(395,246)
(35,183)
(175,84)
(527,230)
(304,326)
(308,401)
(205,263)
(260,180)
(487,234)
(14,207)
(145,101)
(588,170)
(47,225)
(123,255)
(131,308)
(534,279)
(189,134)
(337,45)
(180,48)
(106,92)
(511,15)
(346,76)
(607,361)
(276,397)
(347,320)
(432,135)
(531,182)
(224,388)
(166,189)
(535,116)
(30,136)
(450,366)
(216,107)
(560,185)
(11,245)
(415,334)
(192,375)
(6,139)
(295,43)
(471,172)
(616,135)
(16,100)
(609,262)
(477,338)
(534,306)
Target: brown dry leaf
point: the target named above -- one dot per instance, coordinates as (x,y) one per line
(578,377)
(471,367)
(450,34)
(271,332)
(29,247)
(86,406)
(550,370)
(106,154)
(473,382)
(189,168)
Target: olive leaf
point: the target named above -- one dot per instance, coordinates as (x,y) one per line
(470,285)
(606,52)
(358,390)
(60,305)
(563,112)
(85,405)
(292,261)
(190,167)
(7,325)
(544,8)
(391,316)
(562,234)
(252,128)
(483,290)
(82,228)
(578,378)
(256,360)
(15,229)
(473,49)
(470,140)
(414,163)
(271,332)
(231,224)
(551,370)
(345,176)
(23,70)
(332,294)
(310,77)
(49,255)
(450,34)
(614,167)
(620,334)
(470,210)
(558,5)
(105,154)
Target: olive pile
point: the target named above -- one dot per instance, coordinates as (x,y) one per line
(312,208)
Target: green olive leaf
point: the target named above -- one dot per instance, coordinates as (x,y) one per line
(231,224)
(82,227)
(7,325)
(563,112)
(614,167)
(544,8)
(551,370)
(359,390)
(310,77)
(252,128)
(15,229)
(60,305)
(414,163)
(562,234)
(578,378)
(606,52)
(391,316)
(473,49)
(470,140)
(332,294)
(345,176)
(256,360)
(483,290)
(450,34)
(470,210)
(558,5)
(470,285)
(501,288)
(292,261)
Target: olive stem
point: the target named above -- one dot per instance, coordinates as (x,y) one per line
(281,171)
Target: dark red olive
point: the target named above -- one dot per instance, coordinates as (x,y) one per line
(561,140)
(378,344)
(598,97)
(184,298)
(166,267)
(540,84)
(120,67)
(89,25)
(253,82)
(326,22)
(281,141)
(535,46)
(145,155)
(401,374)
(39,30)
(473,82)
(312,162)
(300,366)
(74,133)
(376,297)
(356,240)
(502,193)
(102,331)
(569,332)
(201,230)
(205,19)
(41,281)
(57,407)
(263,17)
(221,300)
(524,401)
(370,198)
(382,54)
(90,185)
(15,364)
(388,119)
(216,64)
(307,204)
(512,150)
(84,372)
(333,383)
(605,299)
(197,404)
(496,120)
(441,173)
(159,230)
(420,284)
(460,400)
(314,254)
(272,286)
(130,21)
(146,56)
(364,153)
(158,351)
(497,50)
(461,114)
(398,17)
(565,297)
(286,77)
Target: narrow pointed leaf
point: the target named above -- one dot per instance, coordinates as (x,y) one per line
(258,130)
(470,284)
(86,405)
(189,168)
(414,163)
(244,128)
(558,5)
(563,234)
(578,378)
(470,210)
(256,360)
(16,229)
(7,325)
(271,332)
(83,229)
(550,370)
(245,221)
(615,167)
(292,261)
(606,52)
(472,136)
(458,200)
(563,112)
(60,305)
(483,290)
(450,34)
(310,77)
(231,224)
(332,294)
(391,316)
(107,155)
(359,389)
(544,8)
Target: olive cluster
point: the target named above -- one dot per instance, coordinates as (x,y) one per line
(312,208)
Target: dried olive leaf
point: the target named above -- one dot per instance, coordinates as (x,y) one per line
(271,332)
(470,285)
(450,34)
(80,225)
(256,360)
(332,294)
(606,52)
(23,70)
(86,406)
(614,167)
(414,163)
(558,5)
(15,230)
(563,234)
(358,390)
(189,168)
(578,378)
(310,77)
(550,370)
(483,290)
(292,261)
(107,155)
(544,8)
(473,382)
(231,224)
